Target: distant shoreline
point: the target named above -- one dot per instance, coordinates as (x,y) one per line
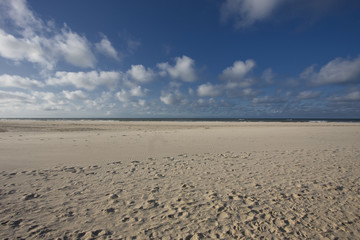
(196,119)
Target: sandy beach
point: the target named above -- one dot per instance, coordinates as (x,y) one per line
(179,180)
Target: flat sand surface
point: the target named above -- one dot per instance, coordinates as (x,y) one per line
(179,180)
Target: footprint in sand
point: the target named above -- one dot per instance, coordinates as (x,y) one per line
(110,210)
(16,223)
(31,196)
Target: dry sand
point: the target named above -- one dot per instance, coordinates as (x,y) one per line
(179,180)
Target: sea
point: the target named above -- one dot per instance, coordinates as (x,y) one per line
(198,119)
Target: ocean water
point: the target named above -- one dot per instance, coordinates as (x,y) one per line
(203,119)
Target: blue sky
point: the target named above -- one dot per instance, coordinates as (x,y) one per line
(204,58)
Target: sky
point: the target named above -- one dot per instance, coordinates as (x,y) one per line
(180,58)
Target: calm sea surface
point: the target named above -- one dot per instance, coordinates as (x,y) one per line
(202,119)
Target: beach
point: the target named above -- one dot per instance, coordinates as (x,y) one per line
(63,179)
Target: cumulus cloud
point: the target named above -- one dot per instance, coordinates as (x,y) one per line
(140,74)
(337,71)
(209,90)
(48,101)
(238,70)
(18,82)
(106,48)
(184,69)
(131,97)
(247,12)
(137,92)
(75,95)
(35,42)
(235,76)
(24,49)
(123,96)
(86,80)
(103,102)
(47,96)
(235,82)
(74,48)
(171,98)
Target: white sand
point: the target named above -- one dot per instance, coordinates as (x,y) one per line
(179,180)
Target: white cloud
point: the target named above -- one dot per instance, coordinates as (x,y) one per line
(238,71)
(86,80)
(54,104)
(236,84)
(337,71)
(46,52)
(209,90)
(235,76)
(308,95)
(103,102)
(172,98)
(169,99)
(241,83)
(183,69)
(123,96)
(18,82)
(137,92)
(28,49)
(74,48)
(140,74)
(21,16)
(48,101)
(75,95)
(24,104)
(246,12)
(14,97)
(47,96)
(106,48)
(309,73)
(130,98)
(35,42)
(352,96)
